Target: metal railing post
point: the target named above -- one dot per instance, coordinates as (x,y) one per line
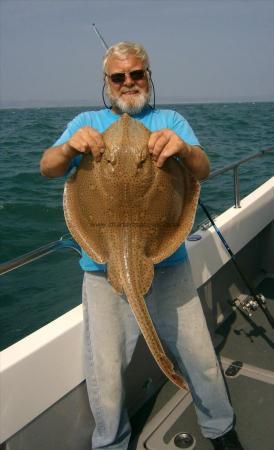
(235,167)
(237,196)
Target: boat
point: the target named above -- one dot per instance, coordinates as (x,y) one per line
(44,401)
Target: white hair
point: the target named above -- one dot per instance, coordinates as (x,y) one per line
(123,49)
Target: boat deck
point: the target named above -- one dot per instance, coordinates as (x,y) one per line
(248,342)
(243,342)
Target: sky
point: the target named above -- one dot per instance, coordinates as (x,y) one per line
(200,50)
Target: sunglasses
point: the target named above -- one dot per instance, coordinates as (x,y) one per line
(120,77)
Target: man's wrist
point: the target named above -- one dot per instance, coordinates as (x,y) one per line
(186,151)
(67,151)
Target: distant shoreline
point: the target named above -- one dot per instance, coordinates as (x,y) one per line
(161,104)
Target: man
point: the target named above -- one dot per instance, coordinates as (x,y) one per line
(111,331)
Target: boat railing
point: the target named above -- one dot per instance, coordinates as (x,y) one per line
(66,241)
(235,167)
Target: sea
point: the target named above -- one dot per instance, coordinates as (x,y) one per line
(31,212)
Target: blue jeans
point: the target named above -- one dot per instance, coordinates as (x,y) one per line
(111,333)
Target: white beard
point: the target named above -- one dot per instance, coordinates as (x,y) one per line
(134,106)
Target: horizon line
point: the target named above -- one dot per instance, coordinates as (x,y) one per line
(84,103)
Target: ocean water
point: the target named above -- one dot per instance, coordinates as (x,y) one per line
(31,206)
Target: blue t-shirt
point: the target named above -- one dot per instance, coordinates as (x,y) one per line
(154,120)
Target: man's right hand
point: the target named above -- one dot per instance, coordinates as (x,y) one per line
(56,160)
(85,140)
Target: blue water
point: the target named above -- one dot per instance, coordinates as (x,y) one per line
(31,206)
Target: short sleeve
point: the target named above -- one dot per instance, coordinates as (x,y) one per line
(181,127)
(71,128)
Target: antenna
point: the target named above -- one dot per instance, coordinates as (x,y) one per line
(103,42)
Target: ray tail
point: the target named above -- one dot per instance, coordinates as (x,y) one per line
(132,282)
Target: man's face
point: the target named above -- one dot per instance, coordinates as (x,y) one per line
(128,96)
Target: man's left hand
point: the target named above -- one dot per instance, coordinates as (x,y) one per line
(165,143)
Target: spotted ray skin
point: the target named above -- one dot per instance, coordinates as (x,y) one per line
(126,212)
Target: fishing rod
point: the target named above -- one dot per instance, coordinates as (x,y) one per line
(102,40)
(250,304)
